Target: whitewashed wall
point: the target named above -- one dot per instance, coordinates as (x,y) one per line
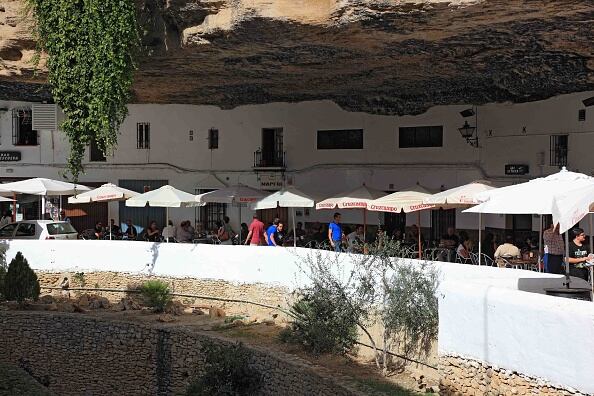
(381,164)
(483,314)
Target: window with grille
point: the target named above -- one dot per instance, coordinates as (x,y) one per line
(23,133)
(559,144)
(96,154)
(143,135)
(582,115)
(213,139)
(420,136)
(340,139)
(210,213)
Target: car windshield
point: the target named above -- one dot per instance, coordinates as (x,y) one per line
(60,228)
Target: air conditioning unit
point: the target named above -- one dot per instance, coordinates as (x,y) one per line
(45,117)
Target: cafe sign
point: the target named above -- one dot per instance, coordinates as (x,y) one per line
(516,169)
(271,181)
(7,156)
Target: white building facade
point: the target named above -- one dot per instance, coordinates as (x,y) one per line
(318,147)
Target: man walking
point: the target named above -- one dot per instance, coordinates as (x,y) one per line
(270,232)
(335,233)
(255,232)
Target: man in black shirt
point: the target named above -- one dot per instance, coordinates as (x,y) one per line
(578,254)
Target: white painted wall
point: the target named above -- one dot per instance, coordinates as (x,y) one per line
(380,164)
(541,336)
(482,313)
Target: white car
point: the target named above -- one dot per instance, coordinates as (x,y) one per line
(38,229)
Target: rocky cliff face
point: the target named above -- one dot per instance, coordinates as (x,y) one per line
(378,56)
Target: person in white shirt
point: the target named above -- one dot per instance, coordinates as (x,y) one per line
(508,249)
(355,240)
(6,218)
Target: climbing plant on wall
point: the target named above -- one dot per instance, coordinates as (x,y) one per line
(90,47)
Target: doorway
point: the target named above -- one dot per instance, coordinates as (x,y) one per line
(267,216)
(272,147)
(440,221)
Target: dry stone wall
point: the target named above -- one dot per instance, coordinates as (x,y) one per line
(262,294)
(461,376)
(81,355)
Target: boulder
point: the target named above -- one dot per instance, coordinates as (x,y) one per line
(166,318)
(215,312)
(47,299)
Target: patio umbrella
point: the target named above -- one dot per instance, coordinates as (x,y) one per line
(238,194)
(463,196)
(106,193)
(288,197)
(43,187)
(164,197)
(361,197)
(544,195)
(408,200)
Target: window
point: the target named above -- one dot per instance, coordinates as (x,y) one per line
(421,136)
(60,228)
(22,128)
(440,221)
(213,139)
(559,150)
(143,135)
(210,213)
(95,153)
(26,230)
(340,139)
(8,230)
(582,115)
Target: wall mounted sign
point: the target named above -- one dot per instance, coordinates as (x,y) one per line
(271,180)
(6,156)
(516,169)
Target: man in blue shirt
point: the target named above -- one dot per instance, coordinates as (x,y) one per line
(335,233)
(271,230)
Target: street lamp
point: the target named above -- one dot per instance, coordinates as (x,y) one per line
(467,131)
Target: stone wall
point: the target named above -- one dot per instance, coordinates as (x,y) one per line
(460,376)
(81,355)
(259,293)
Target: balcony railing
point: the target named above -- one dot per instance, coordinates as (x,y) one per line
(271,159)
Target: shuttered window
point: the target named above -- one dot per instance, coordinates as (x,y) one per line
(143,135)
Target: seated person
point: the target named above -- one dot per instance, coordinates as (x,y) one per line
(508,249)
(462,250)
(98,231)
(131,232)
(152,233)
(184,234)
(114,228)
(169,232)
(450,240)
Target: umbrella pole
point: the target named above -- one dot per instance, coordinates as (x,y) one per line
(480,242)
(540,243)
(567,257)
(364,224)
(240,236)
(167,220)
(294,232)
(14,207)
(419,232)
(108,219)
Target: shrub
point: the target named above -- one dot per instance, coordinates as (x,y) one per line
(156,294)
(20,281)
(324,322)
(226,372)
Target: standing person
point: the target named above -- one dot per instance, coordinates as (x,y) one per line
(228,230)
(578,254)
(335,233)
(255,232)
(63,216)
(6,218)
(278,237)
(554,249)
(244,231)
(270,232)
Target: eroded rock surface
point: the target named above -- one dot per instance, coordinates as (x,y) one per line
(384,57)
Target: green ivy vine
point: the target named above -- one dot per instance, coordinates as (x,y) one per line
(90,47)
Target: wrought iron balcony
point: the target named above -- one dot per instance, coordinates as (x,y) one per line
(270,159)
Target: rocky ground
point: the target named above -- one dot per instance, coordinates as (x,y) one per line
(260,330)
(380,56)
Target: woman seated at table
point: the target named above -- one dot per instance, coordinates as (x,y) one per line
(464,248)
(152,233)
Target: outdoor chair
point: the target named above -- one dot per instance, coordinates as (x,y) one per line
(474,258)
(463,260)
(486,260)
